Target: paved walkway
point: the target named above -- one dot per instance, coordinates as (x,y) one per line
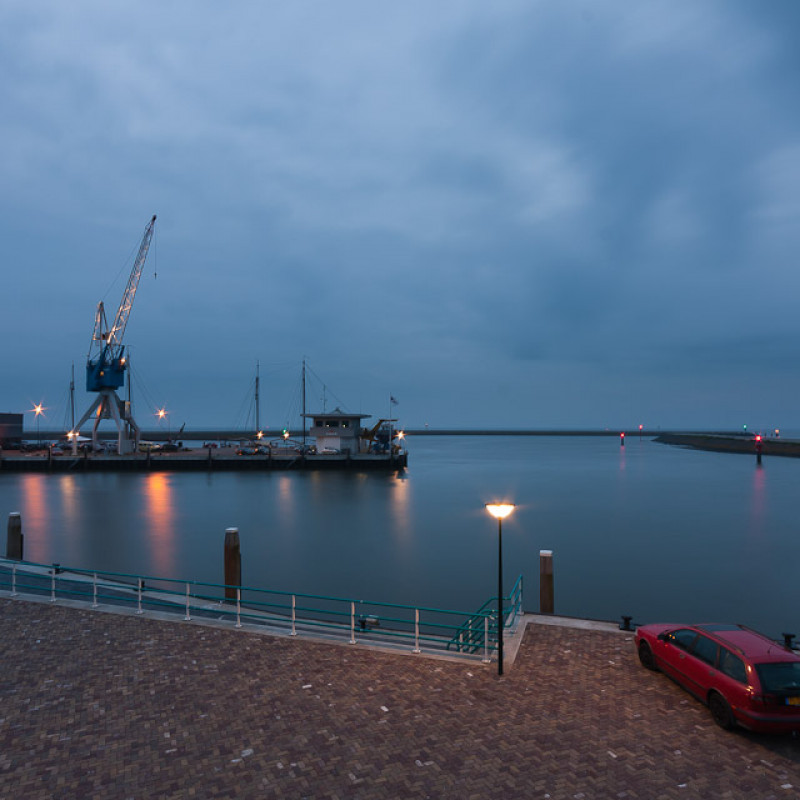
(97,705)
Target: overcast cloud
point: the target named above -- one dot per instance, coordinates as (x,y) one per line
(516,214)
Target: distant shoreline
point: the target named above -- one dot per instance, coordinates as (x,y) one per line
(204,434)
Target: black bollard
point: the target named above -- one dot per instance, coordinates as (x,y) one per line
(233,563)
(625,625)
(15,541)
(546,599)
(788,639)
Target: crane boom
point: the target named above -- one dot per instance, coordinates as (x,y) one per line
(124,311)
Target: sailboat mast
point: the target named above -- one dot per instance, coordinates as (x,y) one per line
(72,399)
(258,414)
(304,406)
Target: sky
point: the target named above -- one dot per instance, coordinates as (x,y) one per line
(515,214)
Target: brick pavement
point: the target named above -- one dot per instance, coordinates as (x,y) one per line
(96,705)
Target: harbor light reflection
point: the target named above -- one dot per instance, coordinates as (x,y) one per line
(159,509)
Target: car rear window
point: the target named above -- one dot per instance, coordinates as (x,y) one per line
(732,665)
(782,677)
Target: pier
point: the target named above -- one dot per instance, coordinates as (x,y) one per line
(123,706)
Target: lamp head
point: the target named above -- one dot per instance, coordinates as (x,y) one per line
(500,510)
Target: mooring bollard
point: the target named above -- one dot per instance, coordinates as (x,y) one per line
(233,563)
(546,604)
(15,540)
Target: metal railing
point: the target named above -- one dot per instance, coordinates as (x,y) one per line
(480,629)
(283,613)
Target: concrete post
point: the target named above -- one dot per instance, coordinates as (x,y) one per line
(546,604)
(233,563)
(15,540)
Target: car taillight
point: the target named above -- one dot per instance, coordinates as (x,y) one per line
(766,699)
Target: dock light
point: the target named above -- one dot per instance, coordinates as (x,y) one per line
(758,437)
(777,432)
(260,435)
(622,439)
(285,434)
(401,435)
(500,511)
(38,410)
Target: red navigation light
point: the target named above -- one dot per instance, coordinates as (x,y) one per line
(758,437)
(640,427)
(622,435)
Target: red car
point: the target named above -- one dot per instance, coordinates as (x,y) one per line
(743,677)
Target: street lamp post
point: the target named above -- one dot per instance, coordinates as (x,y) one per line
(38,410)
(500,511)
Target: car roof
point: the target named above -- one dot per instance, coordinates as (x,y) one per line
(748,642)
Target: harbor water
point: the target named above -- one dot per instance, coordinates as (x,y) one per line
(656,532)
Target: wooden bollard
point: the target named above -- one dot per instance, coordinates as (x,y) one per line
(233,563)
(15,540)
(546,604)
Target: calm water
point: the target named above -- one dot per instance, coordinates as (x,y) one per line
(656,532)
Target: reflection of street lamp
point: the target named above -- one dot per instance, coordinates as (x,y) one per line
(38,410)
(500,511)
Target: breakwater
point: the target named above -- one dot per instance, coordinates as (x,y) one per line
(722,443)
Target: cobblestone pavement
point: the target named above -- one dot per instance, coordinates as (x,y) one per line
(97,705)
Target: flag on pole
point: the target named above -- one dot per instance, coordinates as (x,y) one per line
(393,401)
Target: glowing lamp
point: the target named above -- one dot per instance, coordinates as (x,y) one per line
(500,510)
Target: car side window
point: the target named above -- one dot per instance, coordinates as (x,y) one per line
(732,666)
(682,638)
(706,650)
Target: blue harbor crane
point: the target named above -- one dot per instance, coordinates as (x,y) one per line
(106,363)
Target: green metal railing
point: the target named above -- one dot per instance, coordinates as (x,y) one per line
(481,628)
(355,621)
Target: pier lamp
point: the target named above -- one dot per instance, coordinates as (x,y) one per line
(38,410)
(500,511)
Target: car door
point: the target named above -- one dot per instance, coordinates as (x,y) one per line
(672,654)
(701,665)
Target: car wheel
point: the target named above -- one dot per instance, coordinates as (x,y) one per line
(721,711)
(646,656)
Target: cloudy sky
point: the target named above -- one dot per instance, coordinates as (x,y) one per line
(540,214)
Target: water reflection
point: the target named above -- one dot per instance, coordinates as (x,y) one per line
(399,505)
(159,513)
(286,500)
(35,516)
(758,503)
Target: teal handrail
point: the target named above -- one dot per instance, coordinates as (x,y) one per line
(374,621)
(479,631)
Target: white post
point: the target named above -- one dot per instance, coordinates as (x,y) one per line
(486,640)
(238,607)
(416,630)
(94,590)
(294,632)
(53,586)
(139,600)
(352,622)
(14,580)
(188,615)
